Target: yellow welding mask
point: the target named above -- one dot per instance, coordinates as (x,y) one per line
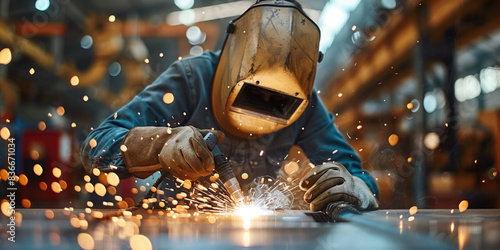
(265,75)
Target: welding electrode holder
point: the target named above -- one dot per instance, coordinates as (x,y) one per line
(226,174)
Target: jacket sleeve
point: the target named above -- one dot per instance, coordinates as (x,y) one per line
(322,142)
(101,148)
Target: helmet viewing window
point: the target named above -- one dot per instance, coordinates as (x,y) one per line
(265,103)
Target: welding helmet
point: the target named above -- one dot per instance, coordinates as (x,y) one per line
(265,74)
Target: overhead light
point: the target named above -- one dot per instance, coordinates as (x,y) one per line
(42,5)
(187,17)
(184,4)
(86,42)
(334,16)
(490,79)
(211,12)
(388,4)
(225,10)
(430,102)
(467,88)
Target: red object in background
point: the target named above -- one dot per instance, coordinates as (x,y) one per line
(50,149)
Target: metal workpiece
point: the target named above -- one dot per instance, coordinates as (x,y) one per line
(277,229)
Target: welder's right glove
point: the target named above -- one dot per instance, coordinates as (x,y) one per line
(332,182)
(181,151)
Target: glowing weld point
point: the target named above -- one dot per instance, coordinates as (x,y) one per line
(249,212)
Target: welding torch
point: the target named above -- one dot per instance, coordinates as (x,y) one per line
(222,167)
(226,174)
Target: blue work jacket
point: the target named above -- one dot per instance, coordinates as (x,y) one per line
(190,82)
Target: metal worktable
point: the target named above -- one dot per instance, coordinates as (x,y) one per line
(382,229)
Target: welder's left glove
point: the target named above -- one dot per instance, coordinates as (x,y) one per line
(332,182)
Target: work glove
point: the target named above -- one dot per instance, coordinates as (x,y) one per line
(332,182)
(181,151)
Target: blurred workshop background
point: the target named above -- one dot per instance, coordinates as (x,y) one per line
(414,85)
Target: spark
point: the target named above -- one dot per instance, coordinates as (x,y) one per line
(393,139)
(85,241)
(23,180)
(32,71)
(112,18)
(275,194)
(140,241)
(92,143)
(5,56)
(113,179)
(26,203)
(463,206)
(413,210)
(42,126)
(56,187)
(168,98)
(60,110)
(5,207)
(63,184)
(100,189)
(49,214)
(56,172)
(5,133)
(74,80)
(89,187)
(37,169)
(96,172)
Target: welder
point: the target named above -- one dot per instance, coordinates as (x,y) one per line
(256,95)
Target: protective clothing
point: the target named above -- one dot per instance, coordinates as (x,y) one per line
(180,151)
(265,75)
(332,182)
(190,81)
